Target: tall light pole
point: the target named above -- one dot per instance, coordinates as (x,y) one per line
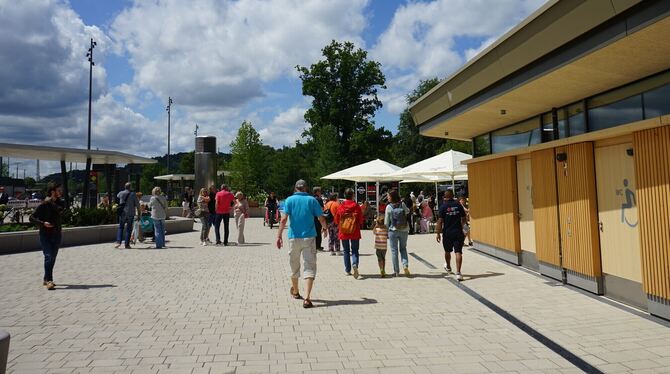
(168,109)
(85,199)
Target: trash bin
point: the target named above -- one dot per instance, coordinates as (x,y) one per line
(4,350)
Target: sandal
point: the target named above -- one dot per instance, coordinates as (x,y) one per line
(307,304)
(295,295)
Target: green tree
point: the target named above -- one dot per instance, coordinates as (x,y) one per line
(410,146)
(147,181)
(248,165)
(30,182)
(187,163)
(344,89)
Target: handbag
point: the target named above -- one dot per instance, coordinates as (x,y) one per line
(198,213)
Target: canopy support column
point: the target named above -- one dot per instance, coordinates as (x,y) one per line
(377,197)
(63,177)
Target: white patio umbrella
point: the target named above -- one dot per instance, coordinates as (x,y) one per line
(372,171)
(445,165)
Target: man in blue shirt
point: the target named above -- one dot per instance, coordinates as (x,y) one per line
(301,208)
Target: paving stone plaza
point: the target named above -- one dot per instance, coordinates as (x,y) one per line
(193,309)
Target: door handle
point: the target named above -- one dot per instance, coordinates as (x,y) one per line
(600,226)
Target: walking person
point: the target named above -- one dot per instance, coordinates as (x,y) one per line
(450,225)
(409,203)
(316,192)
(381,233)
(300,209)
(466,226)
(186,202)
(203,207)
(211,206)
(224,201)
(396,221)
(128,207)
(158,205)
(241,212)
(47,217)
(348,219)
(329,210)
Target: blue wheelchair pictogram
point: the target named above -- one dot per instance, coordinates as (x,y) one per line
(629,195)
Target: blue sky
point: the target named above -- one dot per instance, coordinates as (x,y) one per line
(223,62)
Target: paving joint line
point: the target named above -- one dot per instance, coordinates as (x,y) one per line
(533,333)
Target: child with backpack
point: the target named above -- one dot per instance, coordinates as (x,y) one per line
(381,233)
(348,219)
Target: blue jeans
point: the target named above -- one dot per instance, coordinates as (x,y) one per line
(159,232)
(50,244)
(217,225)
(354,254)
(398,240)
(127,223)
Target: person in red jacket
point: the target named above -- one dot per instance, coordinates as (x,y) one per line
(349,218)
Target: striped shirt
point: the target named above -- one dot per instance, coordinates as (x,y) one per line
(381,236)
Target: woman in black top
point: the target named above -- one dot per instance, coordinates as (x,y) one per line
(47,217)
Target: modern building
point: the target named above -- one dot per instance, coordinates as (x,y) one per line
(568,114)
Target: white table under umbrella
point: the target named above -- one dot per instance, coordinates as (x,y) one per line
(372,171)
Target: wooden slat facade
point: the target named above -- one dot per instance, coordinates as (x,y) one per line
(578,212)
(652,174)
(494,207)
(545,206)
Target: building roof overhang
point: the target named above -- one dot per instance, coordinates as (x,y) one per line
(35,152)
(561,54)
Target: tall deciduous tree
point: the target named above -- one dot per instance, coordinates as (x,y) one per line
(410,146)
(344,88)
(248,165)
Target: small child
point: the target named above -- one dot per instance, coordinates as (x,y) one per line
(381,233)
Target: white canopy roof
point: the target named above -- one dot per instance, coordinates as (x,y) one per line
(35,152)
(186,177)
(373,171)
(447,164)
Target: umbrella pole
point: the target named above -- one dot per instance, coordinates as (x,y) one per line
(377,197)
(453,185)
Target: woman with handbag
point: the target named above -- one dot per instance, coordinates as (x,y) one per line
(158,205)
(202,212)
(241,210)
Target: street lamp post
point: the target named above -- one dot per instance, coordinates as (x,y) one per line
(169,110)
(85,198)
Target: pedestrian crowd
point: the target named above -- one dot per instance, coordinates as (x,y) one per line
(308,217)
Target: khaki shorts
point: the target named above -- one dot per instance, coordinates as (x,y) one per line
(306,247)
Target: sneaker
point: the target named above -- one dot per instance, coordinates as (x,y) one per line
(470,244)
(348,273)
(355,272)
(383,273)
(406,271)
(208,241)
(128,247)
(459,276)
(50,286)
(395,275)
(447,269)
(218,244)
(44,283)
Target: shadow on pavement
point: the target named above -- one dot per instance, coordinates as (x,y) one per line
(83,286)
(252,244)
(467,277)
(326,303)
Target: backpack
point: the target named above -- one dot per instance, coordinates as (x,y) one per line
(328,215)
(399,218)
(348,222)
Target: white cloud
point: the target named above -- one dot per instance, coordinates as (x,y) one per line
(285,128)
(422,40)
(218,54)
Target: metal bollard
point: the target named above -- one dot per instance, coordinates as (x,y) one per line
(4,350)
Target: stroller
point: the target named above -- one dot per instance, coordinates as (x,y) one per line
(142,228)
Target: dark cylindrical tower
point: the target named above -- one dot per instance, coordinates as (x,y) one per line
(205,162)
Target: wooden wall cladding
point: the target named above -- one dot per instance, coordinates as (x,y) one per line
(652,174)
(545,206)
(578,209)
(493,203)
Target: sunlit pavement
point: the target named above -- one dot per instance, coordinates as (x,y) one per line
(193,309)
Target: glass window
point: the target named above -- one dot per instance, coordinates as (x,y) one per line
(657,102)
(605,115)
(522,134)
(482,145)
(576,120)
